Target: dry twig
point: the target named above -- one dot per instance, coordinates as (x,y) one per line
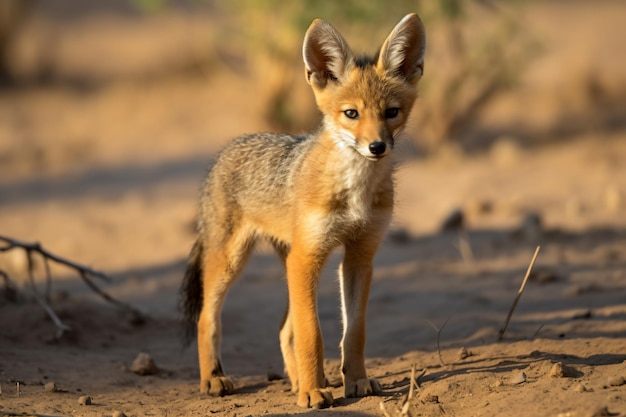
(438,330)
(61,327)
(403,411)
(384,410)
(419,377)
(36,247)
(412,383)
(85,273)
(519,294)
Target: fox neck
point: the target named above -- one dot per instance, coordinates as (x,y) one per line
(356,183)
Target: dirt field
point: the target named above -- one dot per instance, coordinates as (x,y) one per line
(105,171)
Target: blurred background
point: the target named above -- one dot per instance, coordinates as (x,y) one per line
(111,110)
(91,76)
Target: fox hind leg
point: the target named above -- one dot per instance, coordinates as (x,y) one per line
(286,331)
(287,348)
(221,265)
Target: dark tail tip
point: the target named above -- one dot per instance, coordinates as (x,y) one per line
(191,297)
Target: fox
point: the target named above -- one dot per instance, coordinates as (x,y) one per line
(307,195)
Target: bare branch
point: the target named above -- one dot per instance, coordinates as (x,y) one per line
(61,327)
(384,410)
(36,247)
(519,294)
(48,279)
(413,382)
(107,297)
(83,271)
(404,409)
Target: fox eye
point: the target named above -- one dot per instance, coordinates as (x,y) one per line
(351,114)
(391,112)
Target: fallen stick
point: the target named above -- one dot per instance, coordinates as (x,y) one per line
(412,383)
(83,271)
(519,295)
(36,247)
(438,330)
(403,411)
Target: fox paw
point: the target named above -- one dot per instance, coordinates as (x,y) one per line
(217,386)
(316,398)
(362,388)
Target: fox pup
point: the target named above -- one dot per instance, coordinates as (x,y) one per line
(308,195)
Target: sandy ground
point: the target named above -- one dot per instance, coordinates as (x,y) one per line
(108,176)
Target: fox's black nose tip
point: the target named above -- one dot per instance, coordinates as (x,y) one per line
(377,148)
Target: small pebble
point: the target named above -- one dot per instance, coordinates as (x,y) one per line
(463,354)
(50,387)
(517,378)
(118,414)
(580,388)
(559,370)
(616,381)
(84,400)
(431,399)
(144,365)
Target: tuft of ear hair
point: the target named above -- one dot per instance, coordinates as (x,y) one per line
(402,53)
(326,54)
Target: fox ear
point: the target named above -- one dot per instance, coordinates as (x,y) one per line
(326,54)
(402,53)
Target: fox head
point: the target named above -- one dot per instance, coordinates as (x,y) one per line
(365,100)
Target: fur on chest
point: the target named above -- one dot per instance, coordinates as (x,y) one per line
(358,187)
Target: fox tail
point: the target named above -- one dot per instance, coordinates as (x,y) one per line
(191,297)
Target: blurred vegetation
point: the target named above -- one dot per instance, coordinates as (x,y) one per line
(274,30)
(477,53)
(475,49)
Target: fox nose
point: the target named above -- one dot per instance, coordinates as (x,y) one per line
(377,148)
